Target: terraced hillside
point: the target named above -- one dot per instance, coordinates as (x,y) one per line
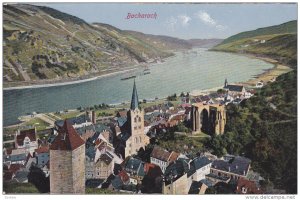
(42,44)
(278,43)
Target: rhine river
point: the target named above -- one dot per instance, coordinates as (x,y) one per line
(182,72)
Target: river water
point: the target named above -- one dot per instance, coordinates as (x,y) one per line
(182,72)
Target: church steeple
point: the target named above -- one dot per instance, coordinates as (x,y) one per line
(226,83)
(134,98)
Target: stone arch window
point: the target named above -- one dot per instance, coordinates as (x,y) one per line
(135,119)
(140,119)
(140,139)
(136,140)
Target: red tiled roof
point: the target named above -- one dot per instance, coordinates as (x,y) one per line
(7,176)
(186,105)
(148,167)
(173,156)
(9,151)
(98,141)
(124,176)
(67,138)
(14,167)
(42,149)
(178,117)
(105,158)
(146,123)
(160,154)
(250,187)
(30,133)
(122,113)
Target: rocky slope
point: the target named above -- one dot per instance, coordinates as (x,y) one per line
(42,44)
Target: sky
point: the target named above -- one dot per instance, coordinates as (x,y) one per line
(186,21)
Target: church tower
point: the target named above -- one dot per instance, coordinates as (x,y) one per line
(138,138)
(225,83)
(67,162)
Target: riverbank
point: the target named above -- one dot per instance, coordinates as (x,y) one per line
(179,74)
(52,83)
(268,75)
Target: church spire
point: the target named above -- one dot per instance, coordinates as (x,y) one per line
(226,83)
(134,98)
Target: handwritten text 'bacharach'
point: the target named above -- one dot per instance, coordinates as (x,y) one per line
(141,16)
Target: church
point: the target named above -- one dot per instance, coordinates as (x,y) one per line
(132,137)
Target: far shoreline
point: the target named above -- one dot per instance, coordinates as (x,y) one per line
(71,82)
(250,83)
(53,83)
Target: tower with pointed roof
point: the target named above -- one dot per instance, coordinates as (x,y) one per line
(225,83)
(138,139)
(67,162)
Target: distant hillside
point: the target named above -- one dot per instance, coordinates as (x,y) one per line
(205,43)
(161,42)
(288,27)
(42,44)
(281,47)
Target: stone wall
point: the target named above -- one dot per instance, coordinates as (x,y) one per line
(67,171)
(61,181)
(180,186)
(78,169)
(209,118)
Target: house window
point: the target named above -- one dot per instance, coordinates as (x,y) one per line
(244,190)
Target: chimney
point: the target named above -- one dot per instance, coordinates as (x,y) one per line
(236,167)
(244,172)
(229,168)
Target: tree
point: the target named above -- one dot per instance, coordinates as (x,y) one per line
(38,178)
(172,97)
(221,91)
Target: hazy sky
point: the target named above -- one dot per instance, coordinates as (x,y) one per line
(184,20)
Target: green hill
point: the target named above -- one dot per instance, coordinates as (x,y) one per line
(281,47)
(288,27)
(264,129)
(277,42)
(41,44)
